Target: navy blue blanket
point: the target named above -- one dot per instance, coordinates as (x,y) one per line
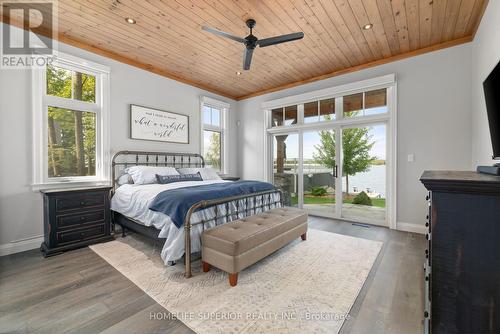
(176,202)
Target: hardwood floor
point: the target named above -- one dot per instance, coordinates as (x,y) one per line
(79,292)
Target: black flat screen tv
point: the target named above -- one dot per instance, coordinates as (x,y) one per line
(492,95)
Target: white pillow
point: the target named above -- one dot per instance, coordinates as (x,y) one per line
(125,179)
(147,174)
(206,173)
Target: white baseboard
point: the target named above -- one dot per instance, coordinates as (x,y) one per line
(410,227)
(21,245)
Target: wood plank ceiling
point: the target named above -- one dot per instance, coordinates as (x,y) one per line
(167,38)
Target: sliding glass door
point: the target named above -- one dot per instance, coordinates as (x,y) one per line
(351,185)
(332,155)
(319,171)
(364,171)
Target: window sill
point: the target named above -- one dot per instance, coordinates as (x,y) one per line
(71,184)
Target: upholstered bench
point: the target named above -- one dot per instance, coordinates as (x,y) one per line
(237,245)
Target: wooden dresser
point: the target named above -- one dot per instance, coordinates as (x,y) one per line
(462,267)
(75,218)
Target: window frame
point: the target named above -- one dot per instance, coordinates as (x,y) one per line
(224,108)
(41,103)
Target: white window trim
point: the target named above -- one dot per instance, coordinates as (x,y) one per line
(224,107)
(337,92)
(101,108)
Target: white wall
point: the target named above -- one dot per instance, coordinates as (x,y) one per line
(21,208)
(485,56)
(433,121)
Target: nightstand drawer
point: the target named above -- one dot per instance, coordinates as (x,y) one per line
(74,202)
(81,234)
(75,219)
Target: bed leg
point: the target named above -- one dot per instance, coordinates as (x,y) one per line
(123,232)
(187,250)
(304,236)
(233,279)
(206,267)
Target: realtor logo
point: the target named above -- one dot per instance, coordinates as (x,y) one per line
(28,35)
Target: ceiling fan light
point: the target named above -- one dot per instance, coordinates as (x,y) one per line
(367,26)
(238,73)
(130,20)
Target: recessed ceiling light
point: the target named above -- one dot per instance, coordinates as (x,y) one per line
(367,26)
(238,73)
(130,20)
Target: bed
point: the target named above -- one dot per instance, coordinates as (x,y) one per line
(130,205)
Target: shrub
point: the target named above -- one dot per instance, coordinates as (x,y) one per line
(362,199)
(318,191)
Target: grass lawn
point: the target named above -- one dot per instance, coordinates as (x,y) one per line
(378,202)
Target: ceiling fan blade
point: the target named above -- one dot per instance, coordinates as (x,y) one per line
(223,34)
(247,58)
(280,39)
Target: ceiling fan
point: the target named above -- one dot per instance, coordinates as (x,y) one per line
(251,41)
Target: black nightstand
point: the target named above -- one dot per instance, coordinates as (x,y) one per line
(75,218)
(230,178)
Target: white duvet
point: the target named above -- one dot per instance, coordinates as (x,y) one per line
(133,201)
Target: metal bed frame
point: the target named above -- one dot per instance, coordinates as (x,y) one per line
(124,159)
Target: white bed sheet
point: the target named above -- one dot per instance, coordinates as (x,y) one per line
(133,201)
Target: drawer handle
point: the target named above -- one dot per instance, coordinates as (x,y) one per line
(82,218)
(426,224)
(427,278)
(427,197)
(82,203)
(426,314)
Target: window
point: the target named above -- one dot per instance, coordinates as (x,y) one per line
(309,156)
(213,143)
(365,104)
(285,116)
(70,117)
(318,111)
(337,107)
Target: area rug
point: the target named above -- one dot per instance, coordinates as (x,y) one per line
(306,287)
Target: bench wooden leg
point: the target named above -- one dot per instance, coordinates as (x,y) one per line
(233,279)
(206,266)
(304,236)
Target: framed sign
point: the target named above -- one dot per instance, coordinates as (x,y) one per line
(153,124)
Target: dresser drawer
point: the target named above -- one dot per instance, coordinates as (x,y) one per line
(76,219)
(81,234)
(74,202)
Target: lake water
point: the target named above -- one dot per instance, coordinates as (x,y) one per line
(373,179)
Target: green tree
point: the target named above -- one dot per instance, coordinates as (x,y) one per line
(357,144)
(71,132)
(213,153)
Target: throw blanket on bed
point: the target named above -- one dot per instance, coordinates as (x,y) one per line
(175,203)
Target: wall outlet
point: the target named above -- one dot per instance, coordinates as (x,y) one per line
(411,157)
